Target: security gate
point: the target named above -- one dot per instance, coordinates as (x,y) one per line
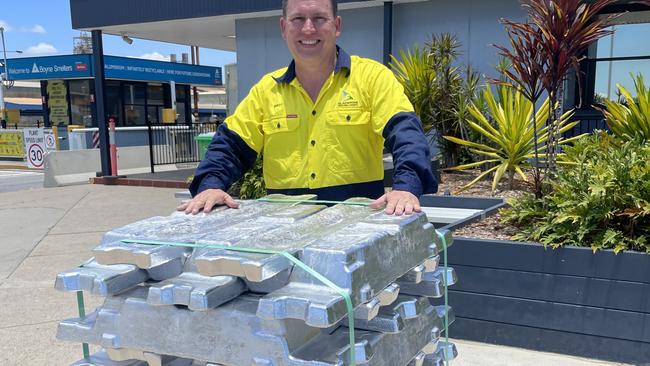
(173,144)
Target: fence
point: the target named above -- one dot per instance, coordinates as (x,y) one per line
(173,144)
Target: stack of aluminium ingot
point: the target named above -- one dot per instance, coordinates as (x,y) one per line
(186,299)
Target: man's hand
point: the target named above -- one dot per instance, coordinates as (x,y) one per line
(206,200)
(397,202)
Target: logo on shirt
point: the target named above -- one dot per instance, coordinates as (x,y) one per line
(347,100)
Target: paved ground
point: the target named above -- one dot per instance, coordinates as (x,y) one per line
(45,231)
(17,180)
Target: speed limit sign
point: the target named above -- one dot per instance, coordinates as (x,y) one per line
(35,155)
(34,146)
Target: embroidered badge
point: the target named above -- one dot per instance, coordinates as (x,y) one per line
(347,100)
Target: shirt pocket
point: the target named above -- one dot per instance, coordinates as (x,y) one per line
(348,139)
(282,154)
(348,117)
(280,124)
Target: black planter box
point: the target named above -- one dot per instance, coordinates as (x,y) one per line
(567,300)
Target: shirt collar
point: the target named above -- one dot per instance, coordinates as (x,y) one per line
(343,61)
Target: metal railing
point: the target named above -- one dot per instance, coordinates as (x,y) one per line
(173,144)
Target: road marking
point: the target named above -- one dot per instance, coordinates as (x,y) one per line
(17,173)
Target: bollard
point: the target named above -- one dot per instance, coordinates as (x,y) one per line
(113,147)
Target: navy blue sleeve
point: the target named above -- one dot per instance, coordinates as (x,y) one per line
(405,139)
(226,160)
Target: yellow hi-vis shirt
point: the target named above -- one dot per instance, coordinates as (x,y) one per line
(335,141)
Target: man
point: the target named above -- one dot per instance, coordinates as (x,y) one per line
(321,125)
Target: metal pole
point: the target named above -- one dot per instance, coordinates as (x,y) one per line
(2,96)
(111,142)
(3,76)
(388,31)
(98,67)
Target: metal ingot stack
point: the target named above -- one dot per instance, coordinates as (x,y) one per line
(179,304)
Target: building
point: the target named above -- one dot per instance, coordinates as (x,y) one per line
(371,29)
(137,93)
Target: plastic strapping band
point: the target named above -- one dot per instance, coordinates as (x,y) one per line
(444,277)
(81,307)
(296,261)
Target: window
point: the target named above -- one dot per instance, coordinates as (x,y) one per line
(114,102)
(134,115)
(182,100)
(155,95)
(81,110)
(134,93)
(134,104)
(622,55)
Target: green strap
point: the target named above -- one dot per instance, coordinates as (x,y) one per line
(81,308)
(82,314)
(279,200)
(296,261)
(444,277)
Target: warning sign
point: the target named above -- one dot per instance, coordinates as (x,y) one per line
(34,147)
(11,144)
(50,141)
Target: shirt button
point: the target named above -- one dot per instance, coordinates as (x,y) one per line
(313,142)
(313,113)
(313,175)
(347,117)
(278,126)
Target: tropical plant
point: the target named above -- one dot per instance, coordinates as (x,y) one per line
(439,91)
(417,76)
(601,201)
(545,48)
(567,28)
(511,139)
(631,119)
(251,185)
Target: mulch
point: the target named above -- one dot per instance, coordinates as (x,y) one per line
(491,227)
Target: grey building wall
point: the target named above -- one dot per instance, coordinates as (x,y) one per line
(475,23)
(260,47)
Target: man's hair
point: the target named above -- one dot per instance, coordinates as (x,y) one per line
(332,2)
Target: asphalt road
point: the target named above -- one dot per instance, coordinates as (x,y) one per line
(19,180)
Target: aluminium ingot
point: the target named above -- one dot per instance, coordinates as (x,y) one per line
(99,279)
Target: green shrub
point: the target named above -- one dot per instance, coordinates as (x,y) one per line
(439,90)
(630,119)
(509,134)
(251,185)
(600,199)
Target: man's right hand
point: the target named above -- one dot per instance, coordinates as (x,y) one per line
(206,200)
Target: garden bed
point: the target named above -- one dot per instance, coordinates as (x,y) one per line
(568,300)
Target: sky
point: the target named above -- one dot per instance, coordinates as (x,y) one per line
(43,28)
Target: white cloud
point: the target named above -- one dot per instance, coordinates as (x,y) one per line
(153,56)
(37,28)
(41,49)
(5,25)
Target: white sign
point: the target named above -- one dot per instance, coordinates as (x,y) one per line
(34,147)
(50,142)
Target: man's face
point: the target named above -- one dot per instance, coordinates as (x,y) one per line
(310,29)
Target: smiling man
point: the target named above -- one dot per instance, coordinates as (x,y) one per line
(321,124)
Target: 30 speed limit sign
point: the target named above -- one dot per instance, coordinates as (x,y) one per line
(34,146)
(35,155)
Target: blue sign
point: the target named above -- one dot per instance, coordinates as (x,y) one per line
(49,67)
(125,68)
(122,68)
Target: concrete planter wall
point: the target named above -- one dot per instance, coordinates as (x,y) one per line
(567,300)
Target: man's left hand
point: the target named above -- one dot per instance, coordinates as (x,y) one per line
(397,202)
